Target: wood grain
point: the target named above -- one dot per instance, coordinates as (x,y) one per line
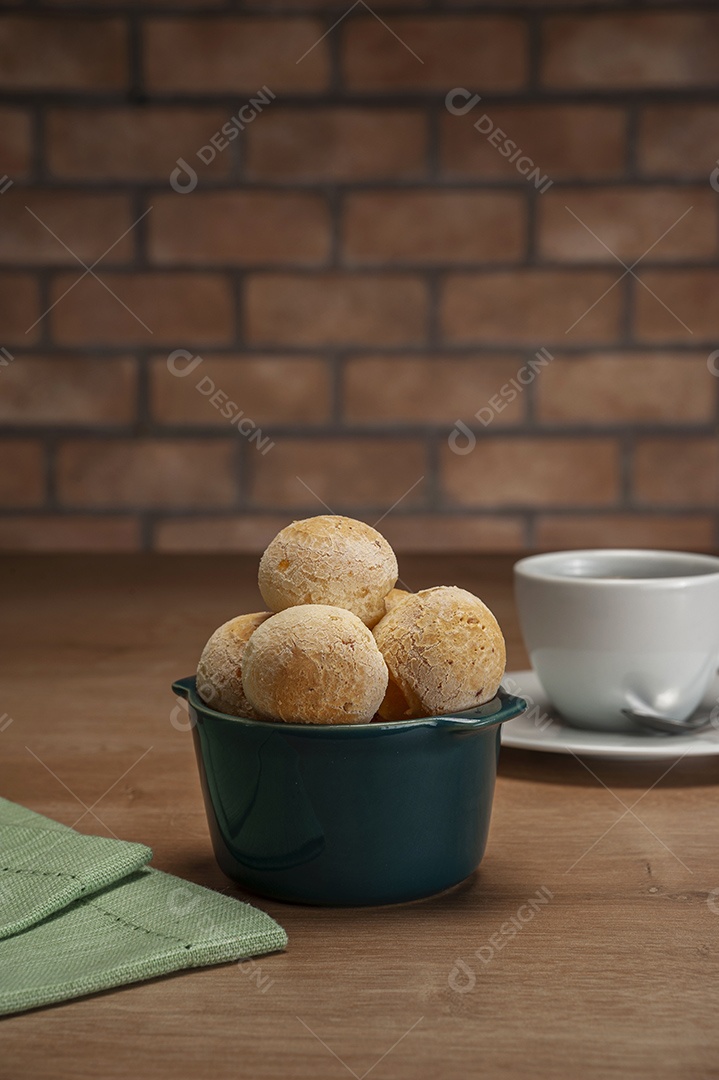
(616,976)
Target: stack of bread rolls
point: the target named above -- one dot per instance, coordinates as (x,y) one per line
(340,644)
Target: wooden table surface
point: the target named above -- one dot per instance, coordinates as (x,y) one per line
(616,976)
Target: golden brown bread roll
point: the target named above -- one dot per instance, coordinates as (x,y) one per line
(314,664)
(394,597)
(219,672)
(444,651)
(331,560)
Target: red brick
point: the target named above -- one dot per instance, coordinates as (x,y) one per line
(251,533)
(533,473)
(240,227)
(126,3)
(606,388)
(336,144)
(55,532)
(630,222)
(671,472)
(340,473)
(15,143)
(182,308)
(453,533)
(434,227)
(22,476)
(123,473)
(269,389)
(416,390)
(129,3)
(77,391)
(531,3)
(445,52)
(531,306)
(245,534)
(683,305)
(631,50)
(61,53)
(236,55)
(562,140)
(681,532)
(87,224)
(131,144)
(335,308)
(263,6)
(678,140)
(338,5)
(19,309)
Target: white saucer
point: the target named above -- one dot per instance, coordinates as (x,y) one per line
(540,728)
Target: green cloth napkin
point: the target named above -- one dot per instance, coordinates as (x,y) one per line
(144,925)
(44,866)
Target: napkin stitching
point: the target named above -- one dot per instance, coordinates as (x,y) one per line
(135,926)
(42,873)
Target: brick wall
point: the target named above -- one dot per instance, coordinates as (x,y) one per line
(302,318)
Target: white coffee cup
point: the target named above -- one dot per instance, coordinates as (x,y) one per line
(616,629)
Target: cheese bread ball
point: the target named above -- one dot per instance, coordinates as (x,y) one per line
(329,560)
(219,672)
(314,664)
(394,597)
(445,653)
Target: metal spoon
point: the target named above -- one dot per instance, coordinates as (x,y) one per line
(668,726)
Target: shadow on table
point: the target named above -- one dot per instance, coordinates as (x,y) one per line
(574,771)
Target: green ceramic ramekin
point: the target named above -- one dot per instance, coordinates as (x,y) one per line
(348,815)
